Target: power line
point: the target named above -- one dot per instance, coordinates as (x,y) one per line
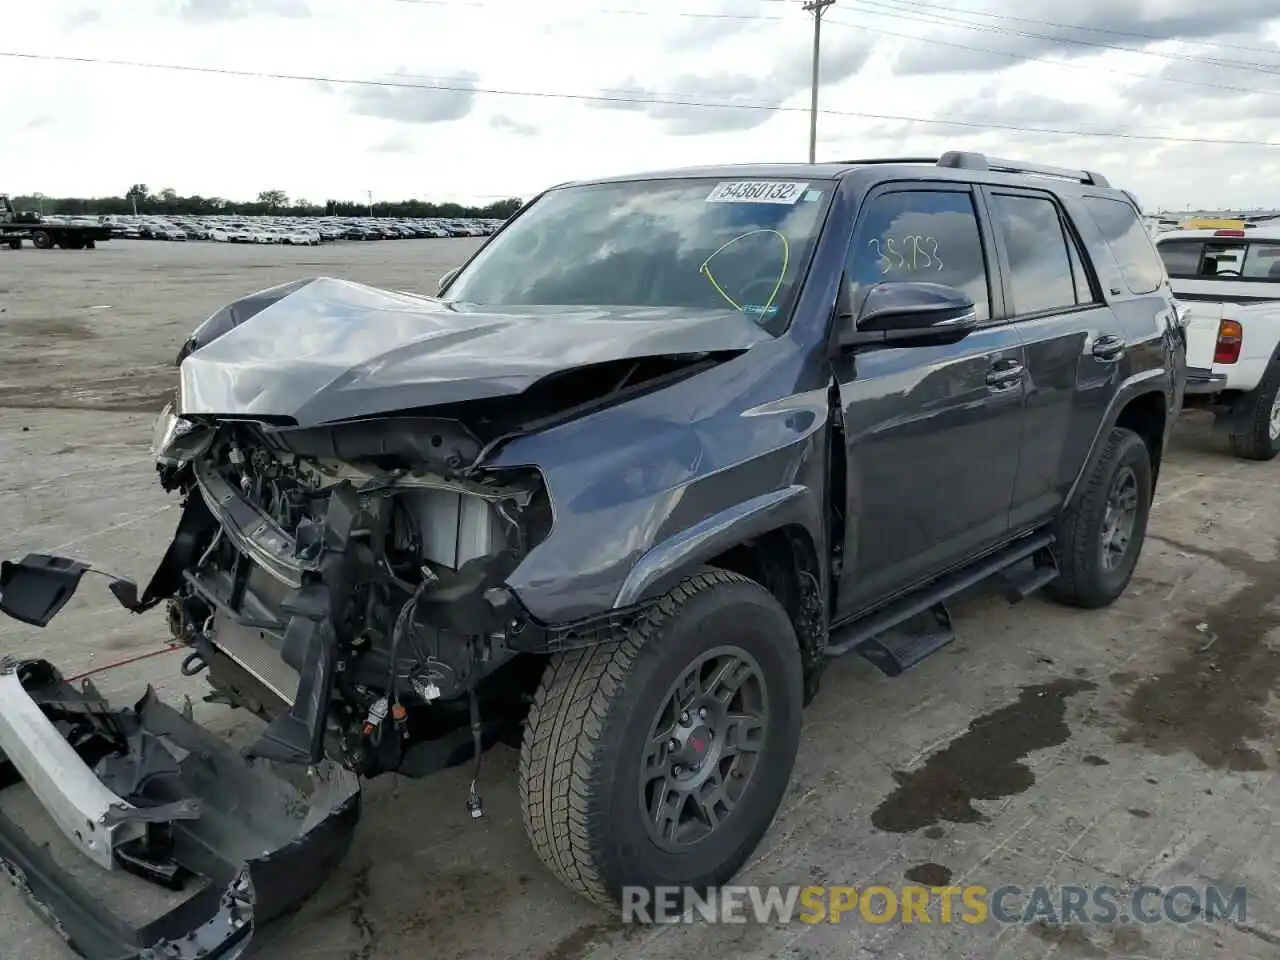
(887,8)
(460,85)
(1073,65)
(476,5)
(949,15)
(1153,38)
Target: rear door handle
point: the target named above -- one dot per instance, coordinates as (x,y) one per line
(1108,348)
(1005,374)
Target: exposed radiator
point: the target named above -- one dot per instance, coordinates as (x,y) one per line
(258,655)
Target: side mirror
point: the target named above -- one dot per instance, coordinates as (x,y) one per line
(909,313)
(445,280)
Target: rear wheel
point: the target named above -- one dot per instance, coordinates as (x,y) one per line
(661,758)
(1257,413)
(42,240)
(1100,535)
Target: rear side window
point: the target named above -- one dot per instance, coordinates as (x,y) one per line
(922,235)
(1181,257)
(1129,242)
(1262,262)
(1040,268)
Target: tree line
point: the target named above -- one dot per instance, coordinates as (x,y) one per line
(167,202)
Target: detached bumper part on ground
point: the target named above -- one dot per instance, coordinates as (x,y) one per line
(165,800)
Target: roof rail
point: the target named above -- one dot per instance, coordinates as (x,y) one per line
(961,160)
(866,160)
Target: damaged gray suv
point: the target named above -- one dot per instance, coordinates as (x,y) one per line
(660,449)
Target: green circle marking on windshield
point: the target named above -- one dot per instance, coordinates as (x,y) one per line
(764,310)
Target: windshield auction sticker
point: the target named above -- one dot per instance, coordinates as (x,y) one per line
(757,191)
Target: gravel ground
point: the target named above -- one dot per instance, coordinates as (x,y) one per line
(1135,745)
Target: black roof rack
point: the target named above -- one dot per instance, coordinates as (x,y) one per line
(890,160)
(961,160)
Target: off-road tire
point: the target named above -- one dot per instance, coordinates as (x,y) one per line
(591,716)
(1083,581)
(42,240)
(1251,413)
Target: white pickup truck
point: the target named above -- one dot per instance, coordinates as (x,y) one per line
(1229,281)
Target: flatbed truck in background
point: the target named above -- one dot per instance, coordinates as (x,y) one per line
(46,234)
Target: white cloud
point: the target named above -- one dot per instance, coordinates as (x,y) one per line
(470,108)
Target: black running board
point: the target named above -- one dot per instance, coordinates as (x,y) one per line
(884,637)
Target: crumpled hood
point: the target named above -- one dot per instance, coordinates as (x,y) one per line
(322,350)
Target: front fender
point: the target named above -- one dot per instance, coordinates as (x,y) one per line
(664,479)
(663,564)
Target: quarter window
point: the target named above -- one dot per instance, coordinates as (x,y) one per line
(922,235)
(1041,275)
(1262,262)
(1129,242)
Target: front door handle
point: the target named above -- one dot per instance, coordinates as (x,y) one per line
(1108,348)
(1005,374)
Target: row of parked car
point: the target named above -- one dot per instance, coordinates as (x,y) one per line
(297,231)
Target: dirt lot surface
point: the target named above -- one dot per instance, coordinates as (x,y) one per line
(1136,745)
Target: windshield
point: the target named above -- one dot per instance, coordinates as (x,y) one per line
(713,244)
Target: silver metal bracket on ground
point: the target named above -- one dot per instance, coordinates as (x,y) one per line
(92,817)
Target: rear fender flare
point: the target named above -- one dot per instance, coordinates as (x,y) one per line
(1152,381)
(662,566)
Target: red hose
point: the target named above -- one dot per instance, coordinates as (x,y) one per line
(124,663)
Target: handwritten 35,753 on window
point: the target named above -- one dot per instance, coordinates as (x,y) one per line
(912,253)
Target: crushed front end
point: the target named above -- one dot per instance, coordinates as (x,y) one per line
(342,582)
(345,582)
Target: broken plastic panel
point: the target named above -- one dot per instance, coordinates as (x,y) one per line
(248,842)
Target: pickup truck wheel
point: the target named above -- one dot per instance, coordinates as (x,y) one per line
(1258,414)
(1101,533)
(660,758)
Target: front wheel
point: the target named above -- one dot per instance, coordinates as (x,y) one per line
(660,759)
(1258,415)
(1101,533)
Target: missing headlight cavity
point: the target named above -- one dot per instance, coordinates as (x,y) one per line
(346,583)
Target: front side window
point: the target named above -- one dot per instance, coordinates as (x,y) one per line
(922,235)
(1041,276)
(1130,243)
(698,244)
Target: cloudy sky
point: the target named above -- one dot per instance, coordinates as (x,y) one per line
(480,99)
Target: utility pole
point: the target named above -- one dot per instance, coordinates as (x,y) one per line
(817,8)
